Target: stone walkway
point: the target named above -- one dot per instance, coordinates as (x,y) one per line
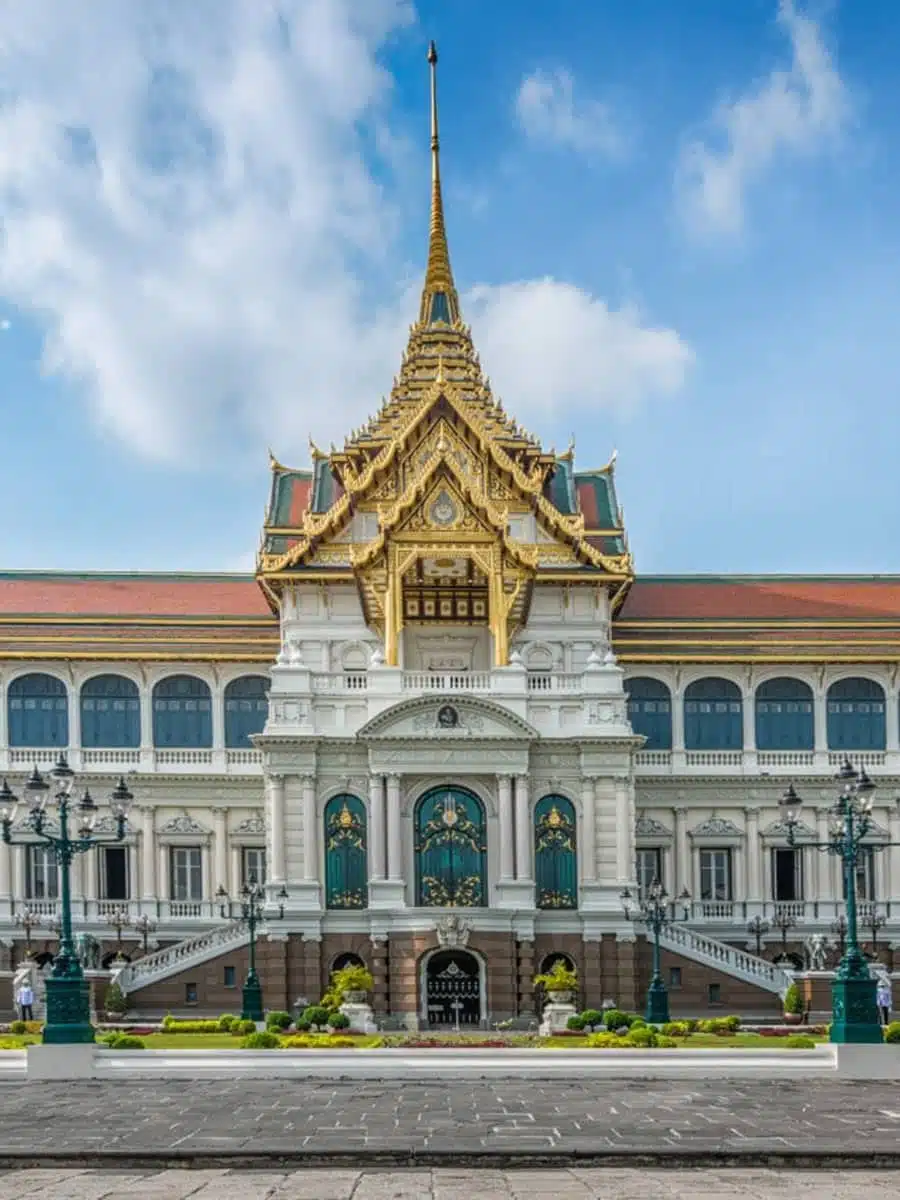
(574,1184)
(284,1124)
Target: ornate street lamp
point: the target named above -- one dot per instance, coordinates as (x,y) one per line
(784,922)
(119,919)
(145,926)
(758,928)
(872,920)
(839,929)
(654,909)
(251,900)
(24,918)
(68,998)
(853,1009)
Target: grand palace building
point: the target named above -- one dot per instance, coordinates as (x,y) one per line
(447,720)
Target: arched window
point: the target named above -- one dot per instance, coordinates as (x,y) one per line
(713,717)
(451,849)
(856,715)
(555,855)
(784,715)
(347,959)
(110,712)
(650,712)
(246,709)
(38,710)
(182,713)
(346,874)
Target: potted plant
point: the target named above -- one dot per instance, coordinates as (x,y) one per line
(559,983)
(793,1006)
(353,983)
(115,1003)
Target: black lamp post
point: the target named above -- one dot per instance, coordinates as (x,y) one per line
(784,922)
(853,1009)
(145,926)
(873,920)
(26,920)
(758,928)
(68,997)
(119,919)
(252,899)
(653,908)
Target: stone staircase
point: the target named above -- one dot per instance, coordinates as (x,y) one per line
(192,952)
(681,939)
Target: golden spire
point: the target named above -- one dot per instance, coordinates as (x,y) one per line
(439,299)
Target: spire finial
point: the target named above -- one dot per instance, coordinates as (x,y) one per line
(439,299)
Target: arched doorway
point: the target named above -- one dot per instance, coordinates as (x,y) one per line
(451,985)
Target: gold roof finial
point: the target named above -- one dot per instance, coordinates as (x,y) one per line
(439,299)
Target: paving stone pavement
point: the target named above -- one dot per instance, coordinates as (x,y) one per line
(574,1184)
(288,1123)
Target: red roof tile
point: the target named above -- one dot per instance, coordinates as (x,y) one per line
(763,599)
(587,502)
(133,595)
(299,499)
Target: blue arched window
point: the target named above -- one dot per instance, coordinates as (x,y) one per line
(555,853)
(38,711)
(856,715)
(713,716)
(110,712)
(346,874)
(784,715)
(246,709)
(650,712)
(182,713)
(451,849)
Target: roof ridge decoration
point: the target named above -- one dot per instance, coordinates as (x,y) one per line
(440,301)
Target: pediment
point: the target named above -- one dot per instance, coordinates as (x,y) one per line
(448,718)
(778,830)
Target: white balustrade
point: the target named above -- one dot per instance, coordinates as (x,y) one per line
(716,910)
(190,952)
(653,758)
(786,758)
(125,759)
(184,758)
(714,758)
(28,758)
(738,963)
(345,681)
(859,758)
(439,681)
(243,758)
(554,681)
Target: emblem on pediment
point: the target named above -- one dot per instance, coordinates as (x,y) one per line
(252,825)
(185,824)
(447,719)
(443,512)
(717,827)
(779,829)
(649,827)
(452,932)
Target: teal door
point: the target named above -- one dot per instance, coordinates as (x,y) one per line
(451,849)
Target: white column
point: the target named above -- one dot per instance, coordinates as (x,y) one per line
(5,871)
(275,827)
(683,876)
(76,876)
(893,855)
(146,713)
(220,851)
(754,883)
(18,873)
(91,864)
(524,855)
(376,827)
(824,866)
(748,711)
(820,720)
(507,828)
(624,833)
(588,832)
(164,883)
(148,856)
(394,844)
(310,829)
(892,721)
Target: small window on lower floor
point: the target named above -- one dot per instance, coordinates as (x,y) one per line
(715,993)
(190,993)
(674,977)
(230,977)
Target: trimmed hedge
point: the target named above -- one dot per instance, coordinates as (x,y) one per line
(262,1039)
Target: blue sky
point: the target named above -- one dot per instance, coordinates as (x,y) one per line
(673,227)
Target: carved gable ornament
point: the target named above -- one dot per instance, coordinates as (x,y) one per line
(452,932)
(778,831)
(649,829)
(717,829)
(451,717)
(182,827)
(254,826)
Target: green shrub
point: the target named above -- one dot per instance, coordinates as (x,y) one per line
(167,1021)
(338,1020)
(243,1028)
(892,1033)
(225,1022)
(800,1041)
(279,1020)
(171,1025)
(793,1000)
(122,1041)
(302,1025)
(732,1024)
(665,1043)
(263,1039)
(692,1024)
(615,1019)
(351,979)
(641,1037)
(675,1029)
(316,1015)
(18,1028)
(558,979)
(114,1000)
(638,1023)
(319,1042)
(576,1023)
(592,1017)
(605,1041)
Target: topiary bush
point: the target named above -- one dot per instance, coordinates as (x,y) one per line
(263,1039)
(800,1041)
(732,1023)
(316,1015)
(115,1001)
(892,1032)
(279,1020)
(675,1029)
(225,1022)
(576,1023)
(302,1025)
(615,1019)
(338,1020)
(641,1037)
(793,1000)
(592,1018)
(171,1025)
(243,1028)
(18,1028)
(318,1042)
(122,1041)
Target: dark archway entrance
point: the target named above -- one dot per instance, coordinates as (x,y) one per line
(453,989)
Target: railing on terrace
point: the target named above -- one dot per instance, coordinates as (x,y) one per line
(451,681)
(714,758)
(347,681)
(553,681)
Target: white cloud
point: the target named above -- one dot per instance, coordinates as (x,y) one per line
(5,324)
(190,207)
(798,110)
(553,350)
(548,113)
